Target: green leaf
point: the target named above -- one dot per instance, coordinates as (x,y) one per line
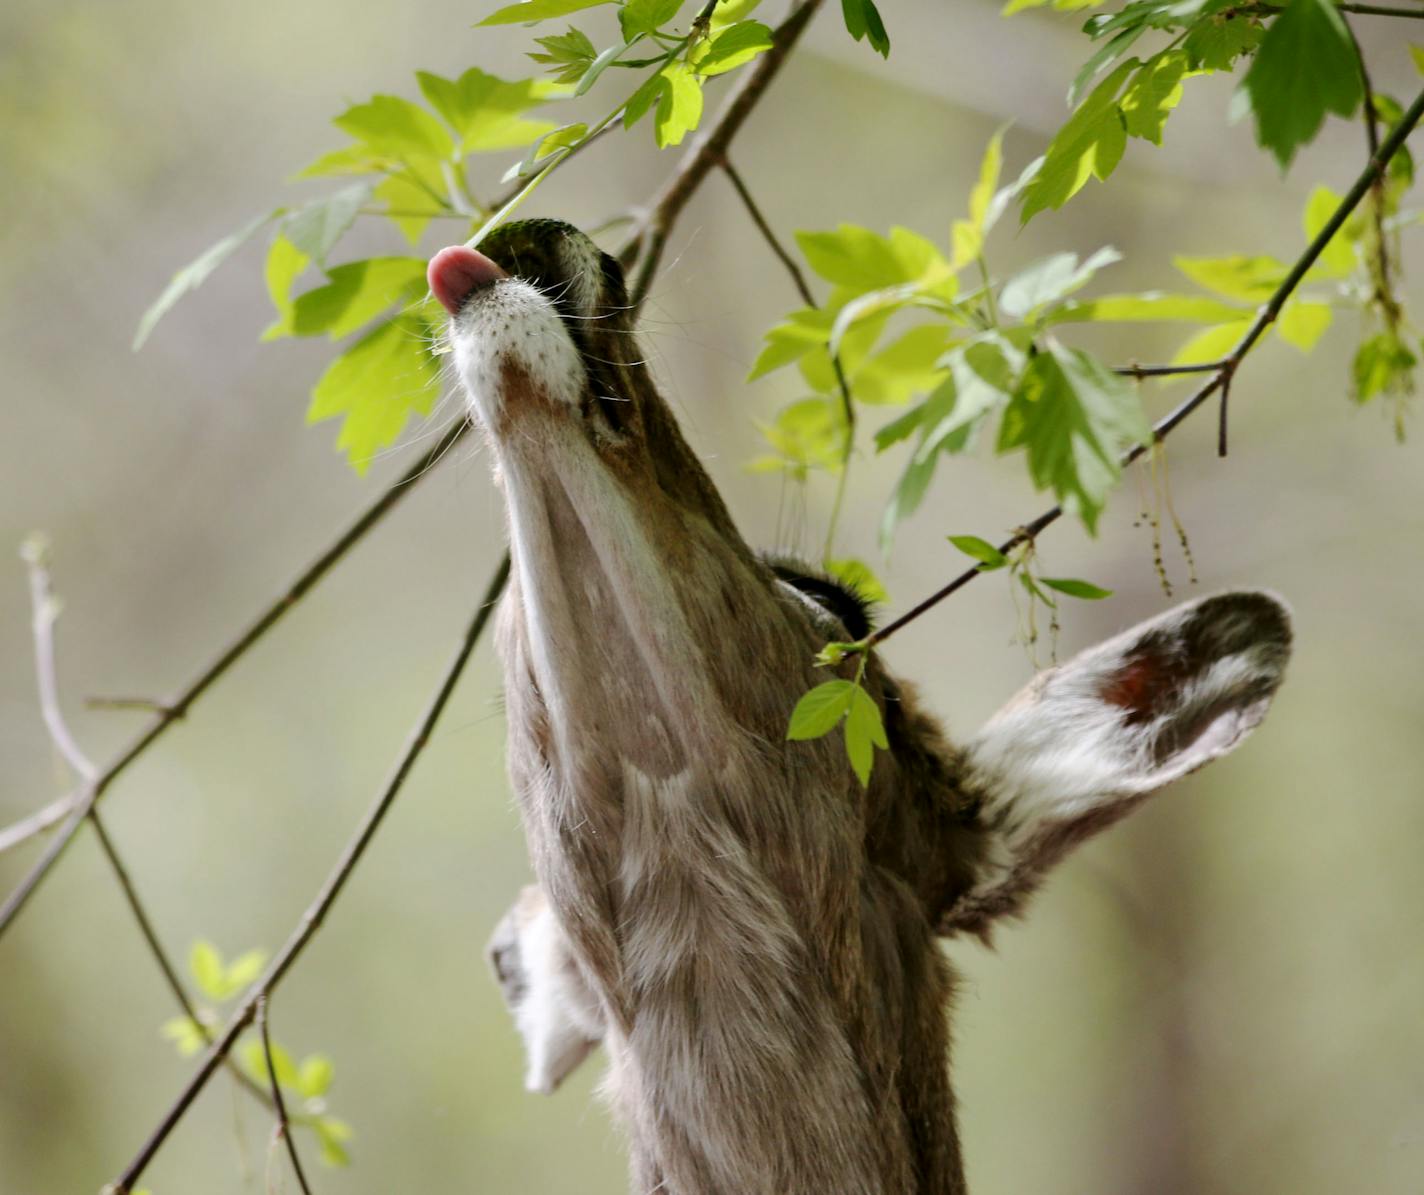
(907,366)
(254,1058)
(646,16)
(1074,417)
(206,966)
(570,50)
(186,1034)
(564,137)
(355,294)
(1302,323)
(244,969)
(1051,279)
(314,1076)
(529,11)
(988,556)
(862,20)
(1249,279)
(1154,91)
(409,206)
(818,711)
(734,46)
(1383,364)
(285,263)
(810,433)
(485,111)
(193,275)
(388,124)
(1338,258)
(331,1134)
(858,576)
(1077,589)
(967,236)
(1416,53)
(1149,306)
(1215,43)
(789,341)
(909,492)
(864,731)
(862,260)
(375,386)
(1088,146)
(316,227)
(1305,67)
(900,429)
(1212,344)
(679,105)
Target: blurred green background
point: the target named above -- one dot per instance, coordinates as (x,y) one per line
(1226,994)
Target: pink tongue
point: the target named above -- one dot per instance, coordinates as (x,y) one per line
(457,272)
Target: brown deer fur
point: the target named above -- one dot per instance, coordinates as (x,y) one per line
(750,932)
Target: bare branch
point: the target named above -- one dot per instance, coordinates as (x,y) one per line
(1166,371)
(284,1124)
(316,912)
(1225,369)
(79,806)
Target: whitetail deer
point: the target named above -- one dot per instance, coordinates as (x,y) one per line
(750,932)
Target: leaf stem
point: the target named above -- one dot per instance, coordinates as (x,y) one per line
(284,1124)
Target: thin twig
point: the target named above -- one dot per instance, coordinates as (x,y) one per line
(1166,371)
(646,245)
(149,705)
(77,806)
(1223,417)
(1364,10)
(1225,371)
(798,279)
(284,1125)
(316,912)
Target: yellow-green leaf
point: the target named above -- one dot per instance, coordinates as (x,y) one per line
(485,111)
(1338,258)
(285,263)
(1250,279)
(355,294)
(1211,344)
(528,11)
(679,106)
(818,711)
(1302,323)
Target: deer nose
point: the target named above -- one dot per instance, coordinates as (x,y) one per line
(456,273)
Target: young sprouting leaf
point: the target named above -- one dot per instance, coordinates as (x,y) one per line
(375,386)
(646,16)
(186,1034)
(1338,257)
(244,969)
(563,137)
(194,274)
(1089,145)
(567,55)
(254,1058)
(485,111)
(1074,417)
(390,125)
(734,46)
(285,263)
(206,966)
(355,294)
(526,12)
(819,710)
(967,236)
(1211,344)
(810,433)
(1051,279)
(1301,323)
(316,227)
(988,556)
(864,731)
(1305,67)
(1074,588)
(1248,279)
(863,260)
(1149,306)
(1154,91)
(314,1076)
(679,105)
(862,20)
(858,576)
(331,1134)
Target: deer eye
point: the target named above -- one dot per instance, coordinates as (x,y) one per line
(840,601)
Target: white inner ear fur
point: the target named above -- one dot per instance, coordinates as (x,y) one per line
(1060,751)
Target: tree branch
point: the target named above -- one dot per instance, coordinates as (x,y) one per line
(316,912)
(78,805)
(646,246)
(1225,369)
(284,1124)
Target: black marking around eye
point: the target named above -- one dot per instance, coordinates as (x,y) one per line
(836,598)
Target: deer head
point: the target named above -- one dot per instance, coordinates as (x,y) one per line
(750,931)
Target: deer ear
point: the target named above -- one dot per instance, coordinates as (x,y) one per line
(1086,741)
(554,1010)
